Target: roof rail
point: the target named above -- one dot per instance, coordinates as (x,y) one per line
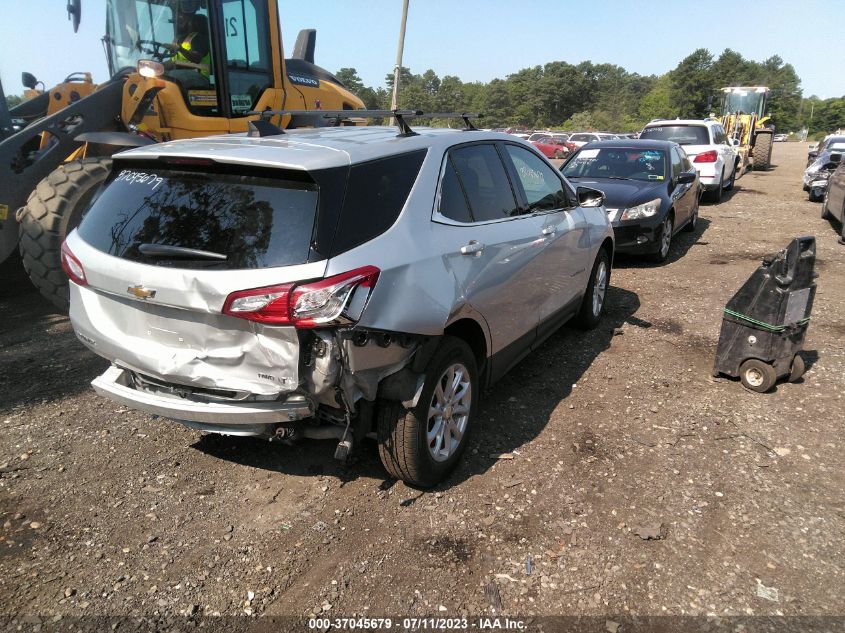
(265,128)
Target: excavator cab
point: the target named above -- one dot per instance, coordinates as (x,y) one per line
(208,63)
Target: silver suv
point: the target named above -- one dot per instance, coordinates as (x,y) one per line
(332,282)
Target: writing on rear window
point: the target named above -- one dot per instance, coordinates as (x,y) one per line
(139,178)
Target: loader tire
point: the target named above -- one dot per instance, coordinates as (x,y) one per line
(52,211)
(762,151)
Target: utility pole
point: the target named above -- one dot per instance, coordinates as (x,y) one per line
(399,50)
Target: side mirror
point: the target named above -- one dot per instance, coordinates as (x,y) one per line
(686,177)
(735,142)
(588,197)
(28,80)
(812,155)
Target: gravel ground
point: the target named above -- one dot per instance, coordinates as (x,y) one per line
(610,475)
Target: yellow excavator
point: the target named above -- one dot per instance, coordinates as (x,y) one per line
(746,122)
(179,69)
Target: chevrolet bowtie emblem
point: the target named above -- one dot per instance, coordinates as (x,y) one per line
(141,292)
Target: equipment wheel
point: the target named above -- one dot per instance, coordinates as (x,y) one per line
(797,368)
(757,375)
(762,151)
(52,211)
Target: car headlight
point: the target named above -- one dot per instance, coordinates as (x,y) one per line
(644,210)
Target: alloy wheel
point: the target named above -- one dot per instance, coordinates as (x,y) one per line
(448,412)
(666,237)
(599,287)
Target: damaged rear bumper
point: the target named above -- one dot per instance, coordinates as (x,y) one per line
(237,418)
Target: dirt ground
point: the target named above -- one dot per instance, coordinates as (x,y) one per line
(586,447)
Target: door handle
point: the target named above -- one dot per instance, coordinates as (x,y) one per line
(473,248)
(548,230)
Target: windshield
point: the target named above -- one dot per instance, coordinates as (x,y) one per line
(680,134)
(625,163)
(746,100)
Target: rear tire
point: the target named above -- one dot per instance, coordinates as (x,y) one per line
(730,185)
(762,151)
(409,444)
(689,227)
(826,214)
(757,375)
(52,211)
(715,195)
(592,305)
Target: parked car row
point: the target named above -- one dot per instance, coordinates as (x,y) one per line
(824,179)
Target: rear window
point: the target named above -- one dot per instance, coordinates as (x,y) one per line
(680,134)
(245,222)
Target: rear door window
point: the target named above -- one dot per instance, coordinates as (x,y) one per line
(485,182)
(453,202)
(375,195)
(249,222)
(539,182)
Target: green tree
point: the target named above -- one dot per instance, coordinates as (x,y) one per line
(691,84)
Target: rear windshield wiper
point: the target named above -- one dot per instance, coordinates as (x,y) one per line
(165,250)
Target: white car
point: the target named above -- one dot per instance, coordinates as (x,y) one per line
(706,145)
(579,139)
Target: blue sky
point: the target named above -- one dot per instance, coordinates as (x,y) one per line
(473,39)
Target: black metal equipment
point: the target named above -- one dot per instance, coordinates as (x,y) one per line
(765,322)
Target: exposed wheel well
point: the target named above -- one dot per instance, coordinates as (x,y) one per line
(471,333)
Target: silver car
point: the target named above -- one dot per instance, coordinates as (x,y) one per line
(332,282)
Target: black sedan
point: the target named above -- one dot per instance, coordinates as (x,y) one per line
(651,191)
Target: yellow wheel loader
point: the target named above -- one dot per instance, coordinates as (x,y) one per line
(751,129)
(179,69)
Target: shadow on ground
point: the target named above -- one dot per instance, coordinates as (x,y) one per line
(41,358)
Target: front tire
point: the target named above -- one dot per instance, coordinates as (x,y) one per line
(664,240)
(52,211)
(715,195)
(421,445)
(762,151)
(592,305)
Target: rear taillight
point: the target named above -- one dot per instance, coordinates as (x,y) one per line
(307,306)
(270,304)
(707,157)
(72,266)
